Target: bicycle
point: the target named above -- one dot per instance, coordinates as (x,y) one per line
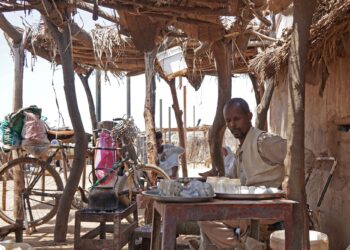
(314,215)
(134,177)
(42,189)
(42,186)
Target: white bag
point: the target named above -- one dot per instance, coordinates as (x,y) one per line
(34,135)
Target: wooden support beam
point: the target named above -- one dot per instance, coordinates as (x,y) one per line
(222,54)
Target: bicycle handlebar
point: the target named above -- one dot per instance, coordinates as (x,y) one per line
(325,158)
(118,119)
(325,187)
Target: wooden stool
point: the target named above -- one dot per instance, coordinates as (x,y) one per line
(122,233)
(144,232)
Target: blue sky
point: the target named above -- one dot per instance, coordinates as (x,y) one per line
(40,80)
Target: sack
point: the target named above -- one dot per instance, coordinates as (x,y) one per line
(16,119)
(104,159)
(7,139)
(11,127)
(34,134)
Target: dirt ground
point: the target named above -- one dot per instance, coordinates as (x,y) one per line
(43,237)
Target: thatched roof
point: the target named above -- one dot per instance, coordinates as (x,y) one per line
(111,51)
(141,25)
(329,30)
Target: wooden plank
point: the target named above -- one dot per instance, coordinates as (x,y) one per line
(91,234)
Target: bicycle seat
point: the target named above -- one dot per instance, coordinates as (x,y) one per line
(65,136)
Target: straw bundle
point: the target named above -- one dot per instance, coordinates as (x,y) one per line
(328,33)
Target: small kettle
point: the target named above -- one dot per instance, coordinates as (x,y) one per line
(103,198)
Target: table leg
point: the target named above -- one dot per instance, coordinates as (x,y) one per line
(102,230)
(288,228)
(255,225)
(156,237)
(169,232)
(77,230)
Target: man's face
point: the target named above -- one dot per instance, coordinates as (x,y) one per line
(237,121)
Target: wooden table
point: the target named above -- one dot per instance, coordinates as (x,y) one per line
(279,209)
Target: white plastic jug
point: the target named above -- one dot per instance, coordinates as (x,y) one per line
(318,240)
(15,246)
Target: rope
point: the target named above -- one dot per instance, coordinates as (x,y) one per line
(60,116)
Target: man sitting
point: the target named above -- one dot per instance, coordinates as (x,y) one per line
(229,161)
(259,161)
(168,155)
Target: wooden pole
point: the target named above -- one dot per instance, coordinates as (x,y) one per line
(185,111)
(183,157)
(194,116)
(160,114)
(169,122)
(222,53)
(128,98)
(194,128)
(263,106)
(85,81)
(149,120)
(180,126)
(62,38)
(149,107)
(18,176)
(98,95)
(18,54)
(295,175)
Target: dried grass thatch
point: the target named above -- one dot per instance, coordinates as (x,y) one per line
(108,42)
(111,51)
(269,62)
(328,33)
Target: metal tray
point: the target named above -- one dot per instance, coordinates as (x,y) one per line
(250,196)
(154,194)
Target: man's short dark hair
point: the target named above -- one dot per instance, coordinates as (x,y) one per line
(159,135)
(238,102)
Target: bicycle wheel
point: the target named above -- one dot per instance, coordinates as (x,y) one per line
(142,178)
(41,193)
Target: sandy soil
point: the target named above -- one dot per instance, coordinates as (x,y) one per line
(42,238)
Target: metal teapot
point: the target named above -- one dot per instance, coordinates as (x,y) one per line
(103,198)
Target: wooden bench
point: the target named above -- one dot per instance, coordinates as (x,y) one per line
(121,232)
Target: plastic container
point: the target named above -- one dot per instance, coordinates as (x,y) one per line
(318,240)
(15,246)
(172,62)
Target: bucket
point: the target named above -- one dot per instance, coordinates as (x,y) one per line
(318,240)
(15,246)
(172,62)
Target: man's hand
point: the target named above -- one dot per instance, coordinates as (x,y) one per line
(163,156)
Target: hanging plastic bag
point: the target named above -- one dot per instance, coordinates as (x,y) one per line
(11,127)
(34,135)
(105,158)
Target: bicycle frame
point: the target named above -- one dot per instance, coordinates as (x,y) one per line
(313,215)
(123,134)
(42,173)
